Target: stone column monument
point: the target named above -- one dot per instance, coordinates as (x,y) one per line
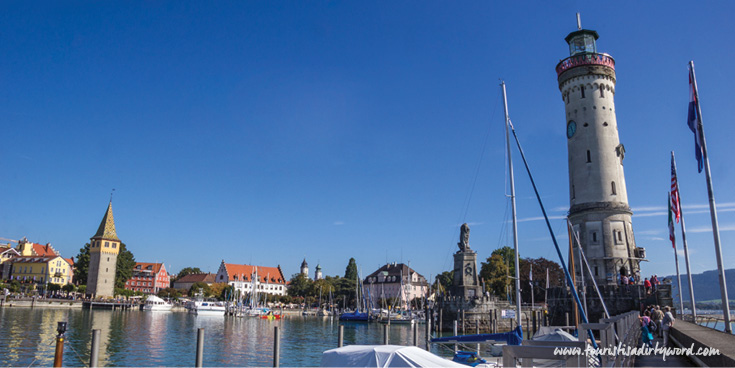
(466,283)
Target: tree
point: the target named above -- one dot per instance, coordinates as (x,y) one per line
(495,273)
(68,288)
(124,267)
(169,293)
(187,271)
(444,281)
(351,270)
(539,266)
(82,289)
(194,289)
(218,290)
(54,287)
(508,256)
(299,285)
(81,266)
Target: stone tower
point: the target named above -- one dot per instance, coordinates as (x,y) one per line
(318,272)
(598,199)
(305,268)
(104,247)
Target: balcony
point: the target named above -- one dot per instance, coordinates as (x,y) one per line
(584,59)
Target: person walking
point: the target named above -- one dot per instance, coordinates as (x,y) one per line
(667,324)
(646,336)
(657,317)
(647,285)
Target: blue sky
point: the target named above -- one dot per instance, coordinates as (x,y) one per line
(266,132)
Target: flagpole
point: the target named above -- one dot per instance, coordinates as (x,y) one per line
(676,256)
(530,273)
(684,242)
(712,207)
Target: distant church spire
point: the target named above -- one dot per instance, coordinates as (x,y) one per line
(107,226)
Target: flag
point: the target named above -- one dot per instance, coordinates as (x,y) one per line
(675,204)
(693,121)
(672,233)
(530,276)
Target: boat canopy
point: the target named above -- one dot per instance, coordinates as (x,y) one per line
(154,299)
(514,337)
(547,333)
(383,356)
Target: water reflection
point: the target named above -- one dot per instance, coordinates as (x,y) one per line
(138,338)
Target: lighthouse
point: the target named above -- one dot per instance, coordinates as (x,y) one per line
(598,199)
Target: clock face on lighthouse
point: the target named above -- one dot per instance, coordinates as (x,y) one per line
(571,128)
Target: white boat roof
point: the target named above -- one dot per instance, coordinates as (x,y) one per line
(383,356)
(153,298)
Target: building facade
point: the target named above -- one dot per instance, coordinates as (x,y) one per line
(6,264)
(42,269)
(598,199)
(318,273)
(242,278)
(104,247)
(305,268)
(395,280)
(148,278)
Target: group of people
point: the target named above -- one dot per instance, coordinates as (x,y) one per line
(656,320)
(650,285)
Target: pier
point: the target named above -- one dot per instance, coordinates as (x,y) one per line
(110,305)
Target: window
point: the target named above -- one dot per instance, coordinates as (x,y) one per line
(107,244)
(114,245)
(602,94)
(596,273)
(582,89)
(594,237)
(613,189)
(589,158)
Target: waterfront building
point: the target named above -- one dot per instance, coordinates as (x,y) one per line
(26,248)
(148,278)
(52,269)
(386,283)
(318,273)
(6,255)
(185,283)
(598,198)
(305,268)
(268,280)
(104,247)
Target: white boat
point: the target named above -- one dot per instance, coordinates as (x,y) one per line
(383,356)
(154,303)
(200,307)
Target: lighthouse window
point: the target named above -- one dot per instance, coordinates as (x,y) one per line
(613,189)
(602,93)
(567,98)
(596,273)
(582,89)
(594,237)
(589,159)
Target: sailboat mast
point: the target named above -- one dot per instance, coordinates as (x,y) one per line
(513,208)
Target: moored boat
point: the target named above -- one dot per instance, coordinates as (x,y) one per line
(154,303)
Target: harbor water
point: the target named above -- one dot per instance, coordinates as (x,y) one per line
(138,338)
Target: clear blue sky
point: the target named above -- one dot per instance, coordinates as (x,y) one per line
(266,132)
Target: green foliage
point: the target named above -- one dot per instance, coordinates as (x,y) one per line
(508,256)
(219,289)
(14,286)
(82,289)
(300,285)
(170,293)
(69,288)
(124,292)
(187,271)
(494,272)
(54,287)
(351,270)
(124,267)
(285,299)
(444,282)
(539,265)
(194,289)
(81,266)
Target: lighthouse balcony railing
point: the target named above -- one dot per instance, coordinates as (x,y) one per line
(586,58)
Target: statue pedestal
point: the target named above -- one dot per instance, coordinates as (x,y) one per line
(466,284)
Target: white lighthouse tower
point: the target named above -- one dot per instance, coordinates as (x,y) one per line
(598,199)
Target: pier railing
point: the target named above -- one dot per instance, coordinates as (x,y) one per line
(608,333)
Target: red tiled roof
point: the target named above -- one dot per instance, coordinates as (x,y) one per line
(236,272)
(198,277)
(156,267)
(44,250)
(70,261)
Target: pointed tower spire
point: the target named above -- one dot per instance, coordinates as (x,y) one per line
(107,226)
